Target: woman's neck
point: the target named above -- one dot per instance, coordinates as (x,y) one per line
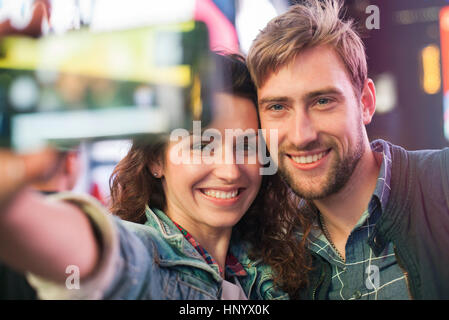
(215,240)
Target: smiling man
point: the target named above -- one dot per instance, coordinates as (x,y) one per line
(380,214)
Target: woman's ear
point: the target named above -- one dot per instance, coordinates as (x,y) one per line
(156,169)
(368,101)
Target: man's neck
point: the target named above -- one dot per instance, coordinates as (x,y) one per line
(342,210)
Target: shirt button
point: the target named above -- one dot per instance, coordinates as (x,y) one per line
(357,295)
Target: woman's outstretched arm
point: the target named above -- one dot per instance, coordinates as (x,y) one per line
(38,235)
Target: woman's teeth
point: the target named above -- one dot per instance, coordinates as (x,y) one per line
(221,194)
(310,158)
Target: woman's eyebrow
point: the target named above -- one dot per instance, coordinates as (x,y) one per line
(191,132)
(250,134)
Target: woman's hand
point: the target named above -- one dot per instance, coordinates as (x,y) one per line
(17,171)
(30,226)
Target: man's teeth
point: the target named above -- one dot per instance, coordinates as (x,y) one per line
(309,159)
(221,194)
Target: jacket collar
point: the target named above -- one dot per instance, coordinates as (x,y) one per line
(402,173)
(181,252)
(178,251)
(258,284)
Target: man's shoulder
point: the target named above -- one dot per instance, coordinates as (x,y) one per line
(421,154)
(420,161)
(424,173)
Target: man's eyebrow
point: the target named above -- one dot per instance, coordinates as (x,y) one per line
(321,92)
(273,99)
(307,96)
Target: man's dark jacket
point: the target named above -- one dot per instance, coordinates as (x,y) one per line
(416,221)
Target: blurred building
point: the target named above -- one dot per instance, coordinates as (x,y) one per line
(405,60)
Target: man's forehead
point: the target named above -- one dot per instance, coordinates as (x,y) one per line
(311,71)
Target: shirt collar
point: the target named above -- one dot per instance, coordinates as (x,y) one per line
(232,266)
(381,192)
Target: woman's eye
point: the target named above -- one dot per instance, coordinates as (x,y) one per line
(251,147)
(200,146)
(247,148)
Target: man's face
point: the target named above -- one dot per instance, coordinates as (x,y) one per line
(320,122)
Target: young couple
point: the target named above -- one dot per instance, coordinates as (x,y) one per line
(364,221)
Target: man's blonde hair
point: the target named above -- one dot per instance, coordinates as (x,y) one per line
(304,26)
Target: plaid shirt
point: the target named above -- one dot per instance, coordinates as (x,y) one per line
(232,265)
(364,275)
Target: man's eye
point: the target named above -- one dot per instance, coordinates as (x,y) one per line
(323,101)
(276,107)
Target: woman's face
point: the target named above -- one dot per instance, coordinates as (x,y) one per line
(214,187)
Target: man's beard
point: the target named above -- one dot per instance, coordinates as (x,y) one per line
(337,176)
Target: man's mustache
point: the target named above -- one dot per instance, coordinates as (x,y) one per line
(313,145)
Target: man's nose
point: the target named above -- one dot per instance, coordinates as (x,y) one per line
(301,129)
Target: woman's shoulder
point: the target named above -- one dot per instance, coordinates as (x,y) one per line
(142,231)
(151,234)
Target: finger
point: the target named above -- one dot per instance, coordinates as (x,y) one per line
(40,14)
(16,170)
(12,169)
(12,173)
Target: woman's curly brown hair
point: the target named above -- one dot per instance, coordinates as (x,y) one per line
(272,222)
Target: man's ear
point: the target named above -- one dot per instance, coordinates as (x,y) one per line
(368,101)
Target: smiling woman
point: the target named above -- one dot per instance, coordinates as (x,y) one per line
(202,200)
